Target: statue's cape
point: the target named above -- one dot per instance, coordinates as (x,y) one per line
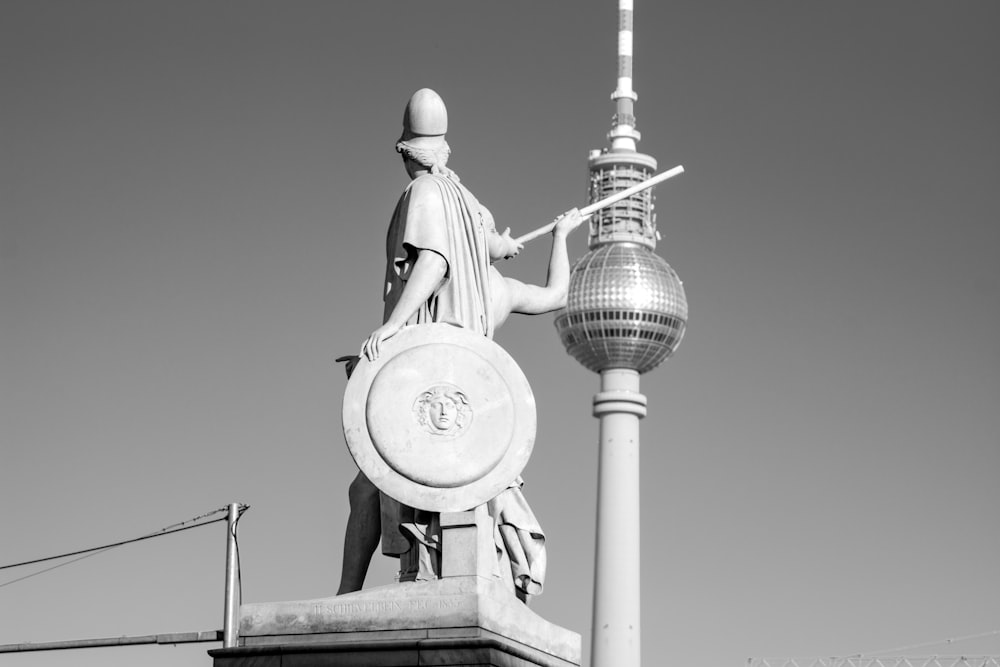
(436,213)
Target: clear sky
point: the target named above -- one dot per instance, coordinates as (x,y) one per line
(193,200)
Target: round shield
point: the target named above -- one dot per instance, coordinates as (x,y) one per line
(443,420)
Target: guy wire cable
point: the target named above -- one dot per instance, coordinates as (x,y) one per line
(900,649)
(86,553)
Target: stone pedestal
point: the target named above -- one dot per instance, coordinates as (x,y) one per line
(456,621)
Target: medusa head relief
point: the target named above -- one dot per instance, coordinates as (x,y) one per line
(443,410)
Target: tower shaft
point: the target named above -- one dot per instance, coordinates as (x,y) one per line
(615,628)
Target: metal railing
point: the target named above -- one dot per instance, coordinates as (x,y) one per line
(229,635)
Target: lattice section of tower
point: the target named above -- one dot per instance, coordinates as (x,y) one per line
(631,219)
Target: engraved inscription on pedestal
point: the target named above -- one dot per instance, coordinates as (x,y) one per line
(355,608)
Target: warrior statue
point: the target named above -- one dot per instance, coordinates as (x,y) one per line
(441,245)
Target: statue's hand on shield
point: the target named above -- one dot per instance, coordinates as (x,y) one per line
(373,344)
(425,277)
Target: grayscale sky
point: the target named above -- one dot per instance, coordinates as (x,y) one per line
(192,217)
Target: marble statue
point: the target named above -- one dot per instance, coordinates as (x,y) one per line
(441,245)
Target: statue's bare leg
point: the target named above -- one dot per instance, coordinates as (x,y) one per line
(364,527)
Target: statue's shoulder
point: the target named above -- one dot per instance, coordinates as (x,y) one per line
(427,184)
(425,200)
(433,190)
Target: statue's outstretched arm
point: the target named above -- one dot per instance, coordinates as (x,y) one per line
(425,277)
(535,299)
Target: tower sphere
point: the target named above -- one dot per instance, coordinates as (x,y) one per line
(626,308)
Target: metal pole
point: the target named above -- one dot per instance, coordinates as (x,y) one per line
(172,638)
(230,626)
(615,630)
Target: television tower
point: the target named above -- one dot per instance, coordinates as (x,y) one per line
(626,313)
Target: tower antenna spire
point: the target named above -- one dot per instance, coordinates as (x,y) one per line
(623,135)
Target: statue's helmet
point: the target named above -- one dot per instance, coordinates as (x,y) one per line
(425,120)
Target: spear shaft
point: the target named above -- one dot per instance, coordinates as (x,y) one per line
(607,201)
